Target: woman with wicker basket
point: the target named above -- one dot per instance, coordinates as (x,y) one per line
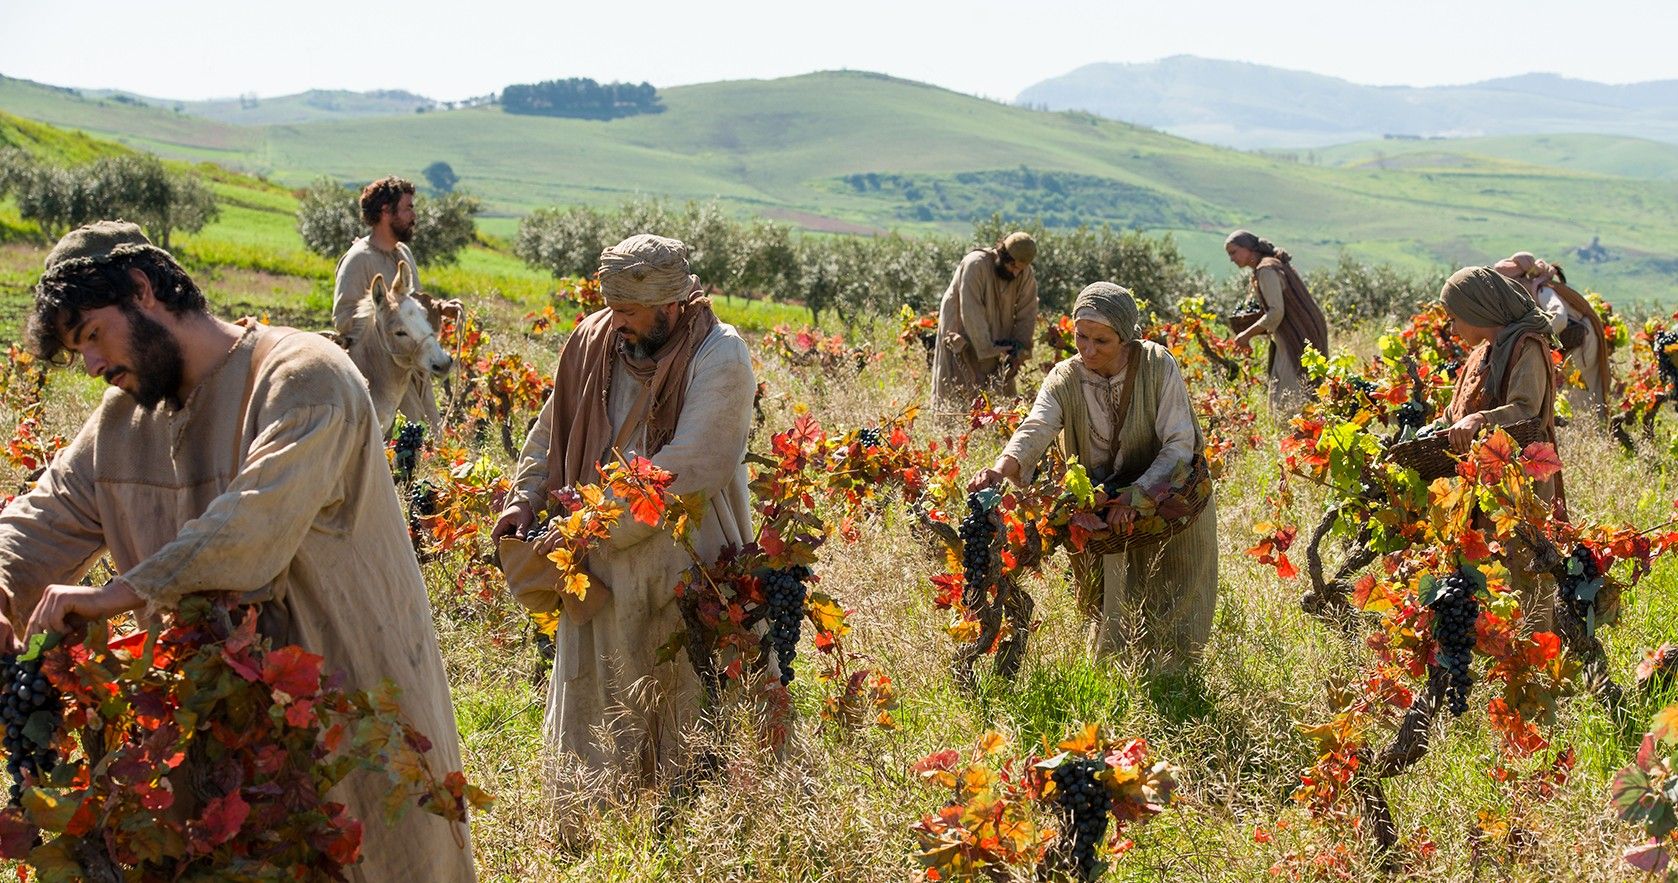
(1507,380)
(1120,407)
(1287,313)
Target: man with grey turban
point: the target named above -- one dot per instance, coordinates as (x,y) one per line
(1507,379)
(1120,407)
(985,322)
(652,374)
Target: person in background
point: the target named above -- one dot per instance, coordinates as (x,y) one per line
(986,320)
(1575,324)
(1290,315)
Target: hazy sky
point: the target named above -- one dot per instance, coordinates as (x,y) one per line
(203,49)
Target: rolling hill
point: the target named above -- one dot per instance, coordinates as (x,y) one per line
(1615,155)
(304,107)
(1251,105)
(853,152)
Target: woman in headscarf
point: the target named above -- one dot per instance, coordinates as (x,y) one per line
(1506,379)
(1121,409)
(1586,346)
(1291,316)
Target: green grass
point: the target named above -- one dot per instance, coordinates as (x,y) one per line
(1615,155)
(779,148)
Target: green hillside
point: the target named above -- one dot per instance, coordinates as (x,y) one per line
(311,106)
(796,148)
(1616,155)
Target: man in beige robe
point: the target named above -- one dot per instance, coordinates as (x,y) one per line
(387,207)
(203,472)
(676,386)
(986,320)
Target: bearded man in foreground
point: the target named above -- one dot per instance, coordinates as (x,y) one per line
(229,458)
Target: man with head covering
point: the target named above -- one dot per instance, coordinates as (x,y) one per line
(652,374)
(1575,323)
(1291,316)
(1120,407)
(1506,379)
(985,322)
(387,208)
(229,458)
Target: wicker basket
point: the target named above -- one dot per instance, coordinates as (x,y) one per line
(1431,456)
(1242,319)
(1177,511)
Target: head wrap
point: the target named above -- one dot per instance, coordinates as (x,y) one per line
(1252,242)
(1482,296)
(1532,273)
(96,243)
(646,269)
(1111,305)
(1021,247)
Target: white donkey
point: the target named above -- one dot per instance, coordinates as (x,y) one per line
(396,349)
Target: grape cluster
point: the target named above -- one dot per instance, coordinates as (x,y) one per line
(1411,415)
(869,438)
(1364,386)
(408,443)
(27,693)
(784,610)
(1455,610)
(1083,807)
(1669,371)
(977,532)
(1568,589)
(422,502)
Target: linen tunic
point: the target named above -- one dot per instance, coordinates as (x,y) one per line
(354,276)
(1589,398)
(978,309)
(1160,598)
(1286,388)
(307,520)
(609,705)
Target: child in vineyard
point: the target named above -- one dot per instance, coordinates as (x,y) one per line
(229,458)
(1290,315)
(1506,380)
(653,374)
(1120,407)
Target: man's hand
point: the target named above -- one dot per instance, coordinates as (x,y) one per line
(1244,341)
(514,521)
(59,603)
(1462,432)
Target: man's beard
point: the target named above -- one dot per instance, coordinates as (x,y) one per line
(402,234)
(154,360)
(1003,272)
(653,340)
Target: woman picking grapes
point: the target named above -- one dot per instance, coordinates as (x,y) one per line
(1291,316)
(1507,379)
(1120,408)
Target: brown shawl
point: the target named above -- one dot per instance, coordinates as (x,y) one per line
(1474,394)
(1302,320)
(582,428)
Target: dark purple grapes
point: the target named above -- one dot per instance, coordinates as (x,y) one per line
(784,590)
(1456,608)
(1083,804)
(27,694)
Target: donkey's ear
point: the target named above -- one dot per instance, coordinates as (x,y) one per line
(404,284)
(377,290)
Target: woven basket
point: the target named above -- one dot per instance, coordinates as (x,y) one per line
(1183,506)
(1431,456)
(1241,321)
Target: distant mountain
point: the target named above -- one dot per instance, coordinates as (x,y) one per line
(1244,105)
(315,105)
(861,152)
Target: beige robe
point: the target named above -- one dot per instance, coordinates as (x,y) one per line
(1286,387)
(1158,598)
(356,270)
(1586,360)
(604,675)
(307,519)
(978,309)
